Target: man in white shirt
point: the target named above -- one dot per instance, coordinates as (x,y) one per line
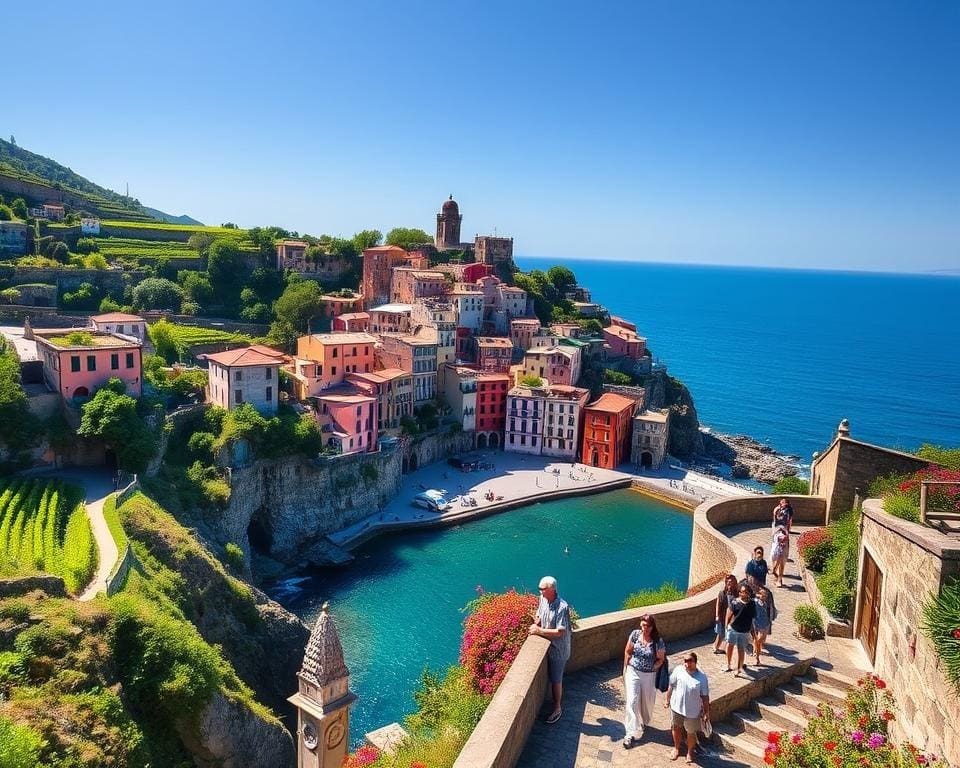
(689,699)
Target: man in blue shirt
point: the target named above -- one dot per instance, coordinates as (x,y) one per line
(553,623)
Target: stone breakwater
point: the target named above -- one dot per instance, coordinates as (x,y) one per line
(748,457)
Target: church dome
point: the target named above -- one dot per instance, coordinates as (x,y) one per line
(450,206)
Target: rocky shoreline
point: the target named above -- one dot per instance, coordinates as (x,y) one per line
(748,457)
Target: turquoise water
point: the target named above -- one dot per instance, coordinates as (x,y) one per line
(783,355)
(398,607)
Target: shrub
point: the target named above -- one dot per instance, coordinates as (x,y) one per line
(941,624)
(665,593)
(201,444)
(87,245)
(839,577)
(948,457)
(791,485)
(16,610)
(233,555)
(808,617)
(815,547)
(493,635)
(363,757)
(19,746)
(902,506)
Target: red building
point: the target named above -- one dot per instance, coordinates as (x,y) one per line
(606,430)
(491,408)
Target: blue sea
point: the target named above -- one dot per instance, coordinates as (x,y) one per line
(783,355)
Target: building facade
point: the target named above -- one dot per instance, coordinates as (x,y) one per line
(390,318)
(493,353)
(606,430)
(493,250)
(393,390)
(624,342)
(414,355)
(460,393)
(120,322)
(561,422)
(492,391)
(323,360)
(523,431)
(77,364)
(244,375)
(522,331)
(409,285)
(651,431)
(347,419)
(448,226)
(13,237)
(352,322)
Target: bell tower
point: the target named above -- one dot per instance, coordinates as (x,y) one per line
(448,226)
(324,698)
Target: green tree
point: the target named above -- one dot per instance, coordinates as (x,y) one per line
(791,485)
(112,417)
(407,238)
(6,213)
(164,340)
(87,245)
(229,225)
(60,252)
(611,376)
(226,267)
(158,293)
(591,325)
(368,238)
(299,303)
(562,278)
(18,427)
(196,285)
(107,304)
(20,210)
(200,242)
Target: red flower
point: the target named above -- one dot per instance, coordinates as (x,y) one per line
(887,715)
(862,721)
(769,757)
(830,745)
(796,738)
(956,633)
(880,684)
(773,737)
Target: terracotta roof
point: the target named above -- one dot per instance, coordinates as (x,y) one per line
(117,317)
(525,321)
(387,374)
(346,337)
(323,658)
(623,333)
(493,341)
(245,356)
(609,402)
(384,249)
(355,316)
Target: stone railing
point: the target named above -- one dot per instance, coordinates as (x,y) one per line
(502,732)
(118,575)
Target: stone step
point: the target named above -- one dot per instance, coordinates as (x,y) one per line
(753,724)
(828,694)
(832,677)
(782,716)
(740,744)
(804,705)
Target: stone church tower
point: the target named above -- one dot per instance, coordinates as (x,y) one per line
(324,699)
(448,226)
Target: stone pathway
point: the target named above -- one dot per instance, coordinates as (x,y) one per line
(96,495)
(591,731)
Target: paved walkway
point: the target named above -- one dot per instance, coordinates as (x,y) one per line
(591,731)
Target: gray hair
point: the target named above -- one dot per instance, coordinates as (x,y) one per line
(547,582)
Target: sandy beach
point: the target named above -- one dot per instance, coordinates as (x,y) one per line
(516,479)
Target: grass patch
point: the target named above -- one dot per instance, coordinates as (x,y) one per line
(112,517)
(665,593)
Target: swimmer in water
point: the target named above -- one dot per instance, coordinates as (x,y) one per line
(566,550)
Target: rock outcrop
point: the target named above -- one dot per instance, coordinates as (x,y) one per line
(664,391)
(748,457)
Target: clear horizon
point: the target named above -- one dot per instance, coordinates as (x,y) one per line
(809,137)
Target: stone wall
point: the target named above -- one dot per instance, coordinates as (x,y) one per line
(437,447)
(502,732)
(915,561)
(849,466)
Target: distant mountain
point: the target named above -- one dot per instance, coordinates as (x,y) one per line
(39,179)
(170,219)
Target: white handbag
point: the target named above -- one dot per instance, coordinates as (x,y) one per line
(706,726)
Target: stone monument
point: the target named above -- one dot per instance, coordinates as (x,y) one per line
(324,698)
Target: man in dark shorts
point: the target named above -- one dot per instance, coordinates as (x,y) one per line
(553,623)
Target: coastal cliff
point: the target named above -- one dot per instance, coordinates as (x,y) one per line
(664,391)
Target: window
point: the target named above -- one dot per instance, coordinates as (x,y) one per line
(268,374)
(75,363)
(91,362)
(114,362)
(354,351)
(523,439)
(533,441)
(269,394)
(238,396)
(129,360)
(334,352)
(358,413)
(238,375)
(333,370)
(318,371)
(119,329)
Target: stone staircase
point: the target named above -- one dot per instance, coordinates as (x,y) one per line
(743,734)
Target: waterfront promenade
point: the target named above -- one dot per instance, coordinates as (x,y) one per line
(516,480)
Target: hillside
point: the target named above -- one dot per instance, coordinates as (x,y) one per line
(170,218)
(39,179)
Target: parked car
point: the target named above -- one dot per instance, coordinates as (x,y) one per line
(433,500)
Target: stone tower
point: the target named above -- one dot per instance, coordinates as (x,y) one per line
(448,226)
(324,699)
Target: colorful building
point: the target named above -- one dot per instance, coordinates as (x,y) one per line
(120,322)
(393,390)
(333,305)
(623,342)
(523,431)
(493,353)
(390,318)
(408,285)
(323,360)
(352,322)
(378,264)
(491,408)
(558,365)
(347,419)
(522,331)
(606,430)
(77,363)
(244,375)
(562,421)
(416,355)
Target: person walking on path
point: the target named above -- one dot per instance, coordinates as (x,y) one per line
(762,621)
(757,569)
(778,553)
(643,655)
(740,617)
(728,592)
(783,515)
(688,697)
(553,623)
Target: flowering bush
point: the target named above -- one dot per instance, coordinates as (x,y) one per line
(855,736)
(941,624)
(493,635)
(363,757)
(901,493)
(815,547)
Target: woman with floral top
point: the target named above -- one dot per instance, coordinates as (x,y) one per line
(643,654)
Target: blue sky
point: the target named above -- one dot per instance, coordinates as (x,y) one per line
(823,135)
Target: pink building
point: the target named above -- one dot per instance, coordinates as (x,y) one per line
(614,320)
(493,354)
(409,285)
(78,363)
(378,264)
(558,365)
(290,255)
(393,390)
(347,419)
(352,322)
(522,331)
(244,375)
(323,360)
(624,343)
(120,322)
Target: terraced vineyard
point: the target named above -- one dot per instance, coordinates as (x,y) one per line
(44,527)
(147,250)
(187,336)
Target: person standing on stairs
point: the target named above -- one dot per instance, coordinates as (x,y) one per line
(688,698)
(643,655)
(740,616)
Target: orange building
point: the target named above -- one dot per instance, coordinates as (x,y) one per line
(378,264)
(606,430)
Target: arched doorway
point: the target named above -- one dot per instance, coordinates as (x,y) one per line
(494,440)
(594,458)
(81,392)
(646,460)
(482,440)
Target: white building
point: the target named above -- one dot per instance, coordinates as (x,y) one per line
(245,375)
(523,431)
(561,422)
(120,322)
(468,306)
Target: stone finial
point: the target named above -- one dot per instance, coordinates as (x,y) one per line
(323,658)
(844,429)
(27,328)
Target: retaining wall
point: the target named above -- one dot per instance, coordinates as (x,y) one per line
(500,736)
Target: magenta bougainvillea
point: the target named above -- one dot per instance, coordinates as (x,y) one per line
(492,636)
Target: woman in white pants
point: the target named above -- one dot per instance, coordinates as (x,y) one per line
(643,654)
